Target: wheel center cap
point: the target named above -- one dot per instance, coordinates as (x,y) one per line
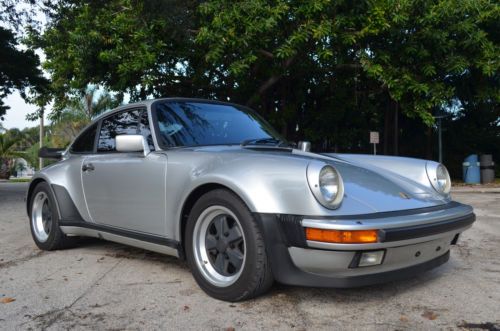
(221,246)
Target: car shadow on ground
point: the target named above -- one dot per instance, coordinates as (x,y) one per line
(119,251)
(364,294)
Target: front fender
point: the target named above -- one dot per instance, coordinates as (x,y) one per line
(268,184)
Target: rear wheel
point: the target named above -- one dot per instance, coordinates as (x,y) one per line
(44,220)
(225,248)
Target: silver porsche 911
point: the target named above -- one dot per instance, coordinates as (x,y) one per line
(213,183)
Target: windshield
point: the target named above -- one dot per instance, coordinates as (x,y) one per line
(191,123)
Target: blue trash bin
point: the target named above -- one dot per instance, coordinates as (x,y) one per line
(471,170)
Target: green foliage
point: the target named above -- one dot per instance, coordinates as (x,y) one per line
(20,180)
(126,46)
(19,69)
(67,123)
(327,71)
(409,50)
(8,154)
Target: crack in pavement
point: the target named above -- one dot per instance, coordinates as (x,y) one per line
(47,319)
(11,263)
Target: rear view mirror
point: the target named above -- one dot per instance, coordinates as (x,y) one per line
(51,153)
(131,143)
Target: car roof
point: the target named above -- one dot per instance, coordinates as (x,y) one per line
(149,102)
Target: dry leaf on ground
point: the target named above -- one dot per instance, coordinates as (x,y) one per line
(430,315)
(7,300)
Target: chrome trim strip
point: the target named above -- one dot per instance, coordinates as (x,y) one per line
(78,231)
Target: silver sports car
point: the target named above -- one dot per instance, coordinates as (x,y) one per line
(213,183)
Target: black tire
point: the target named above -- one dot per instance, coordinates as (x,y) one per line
(56,238)
(256,276)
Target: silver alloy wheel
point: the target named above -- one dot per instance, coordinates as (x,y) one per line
(41,217)
(219,246)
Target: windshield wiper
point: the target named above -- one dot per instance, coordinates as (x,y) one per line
(264,141)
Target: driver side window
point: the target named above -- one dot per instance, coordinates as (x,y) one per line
(122,123)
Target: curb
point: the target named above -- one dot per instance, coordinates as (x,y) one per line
(475,190)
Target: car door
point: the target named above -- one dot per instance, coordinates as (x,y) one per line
(125,190)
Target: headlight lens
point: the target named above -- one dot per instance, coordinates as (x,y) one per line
(326,184)
(439,177)
(443,179)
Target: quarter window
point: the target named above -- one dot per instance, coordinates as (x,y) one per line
(122,123)
(85,142)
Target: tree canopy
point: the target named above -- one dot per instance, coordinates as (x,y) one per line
(19,69)
(328,71)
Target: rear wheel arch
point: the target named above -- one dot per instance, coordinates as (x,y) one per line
(44,217)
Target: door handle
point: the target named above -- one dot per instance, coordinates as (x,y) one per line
(88,167)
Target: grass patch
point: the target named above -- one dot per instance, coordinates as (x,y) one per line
(19,180)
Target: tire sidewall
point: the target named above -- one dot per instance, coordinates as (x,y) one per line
(240,287)
(55,232)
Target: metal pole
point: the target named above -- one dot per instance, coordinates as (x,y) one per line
(440,142)
(41,138)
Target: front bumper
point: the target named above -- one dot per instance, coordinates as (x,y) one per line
(413,241)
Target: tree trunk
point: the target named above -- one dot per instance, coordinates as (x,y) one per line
(396,128)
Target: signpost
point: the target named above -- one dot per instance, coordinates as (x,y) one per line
(374,139)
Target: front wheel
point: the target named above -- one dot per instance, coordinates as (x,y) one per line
(225,248)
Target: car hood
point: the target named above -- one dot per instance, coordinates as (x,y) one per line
(368,187)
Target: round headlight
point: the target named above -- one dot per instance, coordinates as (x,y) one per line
(443,179)
(326,184)
(439,177)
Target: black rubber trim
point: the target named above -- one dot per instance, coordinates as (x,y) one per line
(124,233)
(286,272)
(67,208)
(424,230)
(293,232)
(268,148)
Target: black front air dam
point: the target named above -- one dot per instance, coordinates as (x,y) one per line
(285,271)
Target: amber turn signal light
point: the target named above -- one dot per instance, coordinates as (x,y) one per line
(342,236)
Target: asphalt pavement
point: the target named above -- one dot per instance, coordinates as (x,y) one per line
(107,286)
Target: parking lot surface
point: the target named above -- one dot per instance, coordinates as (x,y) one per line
(109,286)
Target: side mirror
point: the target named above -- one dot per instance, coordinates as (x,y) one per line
(131,143)
(51,153)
